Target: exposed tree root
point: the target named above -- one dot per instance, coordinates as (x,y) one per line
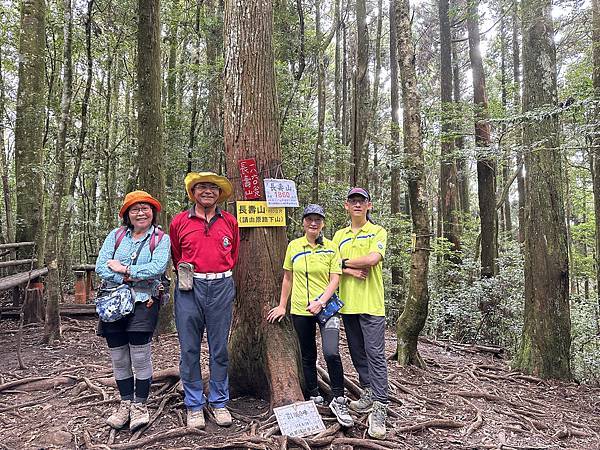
(434,423)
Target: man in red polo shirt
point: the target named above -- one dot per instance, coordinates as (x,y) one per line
(207,238)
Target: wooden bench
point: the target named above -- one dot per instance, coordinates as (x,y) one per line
(25,275)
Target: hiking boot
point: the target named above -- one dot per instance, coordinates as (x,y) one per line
(139,416)
(195,419)
(221,416)
(364,404)
(120,417)
(377,419)
(319,401)
(339,407)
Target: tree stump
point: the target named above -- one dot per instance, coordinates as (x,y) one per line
(81,290)
(34,310)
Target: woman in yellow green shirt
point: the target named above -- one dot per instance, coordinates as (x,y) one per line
(311,275)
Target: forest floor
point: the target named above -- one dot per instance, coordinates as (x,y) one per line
(467,398)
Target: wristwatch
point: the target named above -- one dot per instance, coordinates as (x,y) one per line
(344,266)
(323,304)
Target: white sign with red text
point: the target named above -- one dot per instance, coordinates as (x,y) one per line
(281,193)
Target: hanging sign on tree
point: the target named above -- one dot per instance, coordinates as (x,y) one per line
(281,193)
(250,179)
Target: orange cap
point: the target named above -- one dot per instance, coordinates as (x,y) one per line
(138,197)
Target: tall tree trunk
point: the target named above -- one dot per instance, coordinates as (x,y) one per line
(195,89)
(4,172)
(506,172)
(172,113)
(150,144)
(394,155)
(337,84)
(373,175)
(462,164)
(84,120)
(449,194)
(360,103)
(29,126)
(595,150)
(320,104)
(486,165)
(517,109)
(53,280)
(214,51)
(546,339)
(413,318)
(264,357)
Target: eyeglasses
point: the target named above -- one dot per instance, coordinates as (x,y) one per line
(206,187)
(357,201)
(316,220)
(143,209)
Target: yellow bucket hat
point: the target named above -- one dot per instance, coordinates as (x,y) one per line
(193,178)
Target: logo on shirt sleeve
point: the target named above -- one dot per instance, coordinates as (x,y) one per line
(226,242)
(380,245)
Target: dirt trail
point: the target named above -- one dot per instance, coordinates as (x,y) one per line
(468,398)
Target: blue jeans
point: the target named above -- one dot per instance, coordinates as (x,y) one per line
(208,305)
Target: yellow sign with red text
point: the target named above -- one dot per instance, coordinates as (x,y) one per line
(258,214)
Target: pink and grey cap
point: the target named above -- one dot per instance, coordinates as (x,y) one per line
(358,191)
(313,209)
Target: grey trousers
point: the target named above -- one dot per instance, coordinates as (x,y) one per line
(366,341)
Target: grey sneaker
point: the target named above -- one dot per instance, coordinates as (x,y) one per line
(195,419)
(139,416)
(364,404)
(319,401)
(339,407)
(221,415)
(376,420)
(120,417)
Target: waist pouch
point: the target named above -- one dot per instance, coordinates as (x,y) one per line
(115,303)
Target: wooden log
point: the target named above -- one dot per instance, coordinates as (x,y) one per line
(86,267)
(16,245)
(17,262)
(34,310)
(21,278)
(67,310)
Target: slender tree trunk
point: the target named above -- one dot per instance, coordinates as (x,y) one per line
(337,85)
(462,163)
(506,169)
(264,357)
(395,158)
(320,104)
(595,150)
(84,120)
(486,165)
(413,318)
(214,51)
(29,126)
(53,280)
(373,175)
(449,193)
(172,112)
(517,109)
(546,339)
(195,89)
(360,103)
(4,172)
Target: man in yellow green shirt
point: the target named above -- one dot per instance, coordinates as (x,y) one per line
(362,248)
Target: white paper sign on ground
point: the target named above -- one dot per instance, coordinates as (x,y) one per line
(281,193)
(299,419)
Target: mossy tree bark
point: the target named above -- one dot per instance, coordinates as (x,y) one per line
(546,337)
(151,159)
(595,151)
(412,320)
(264,357)
(29,126)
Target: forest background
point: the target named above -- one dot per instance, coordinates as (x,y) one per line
(98,98)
